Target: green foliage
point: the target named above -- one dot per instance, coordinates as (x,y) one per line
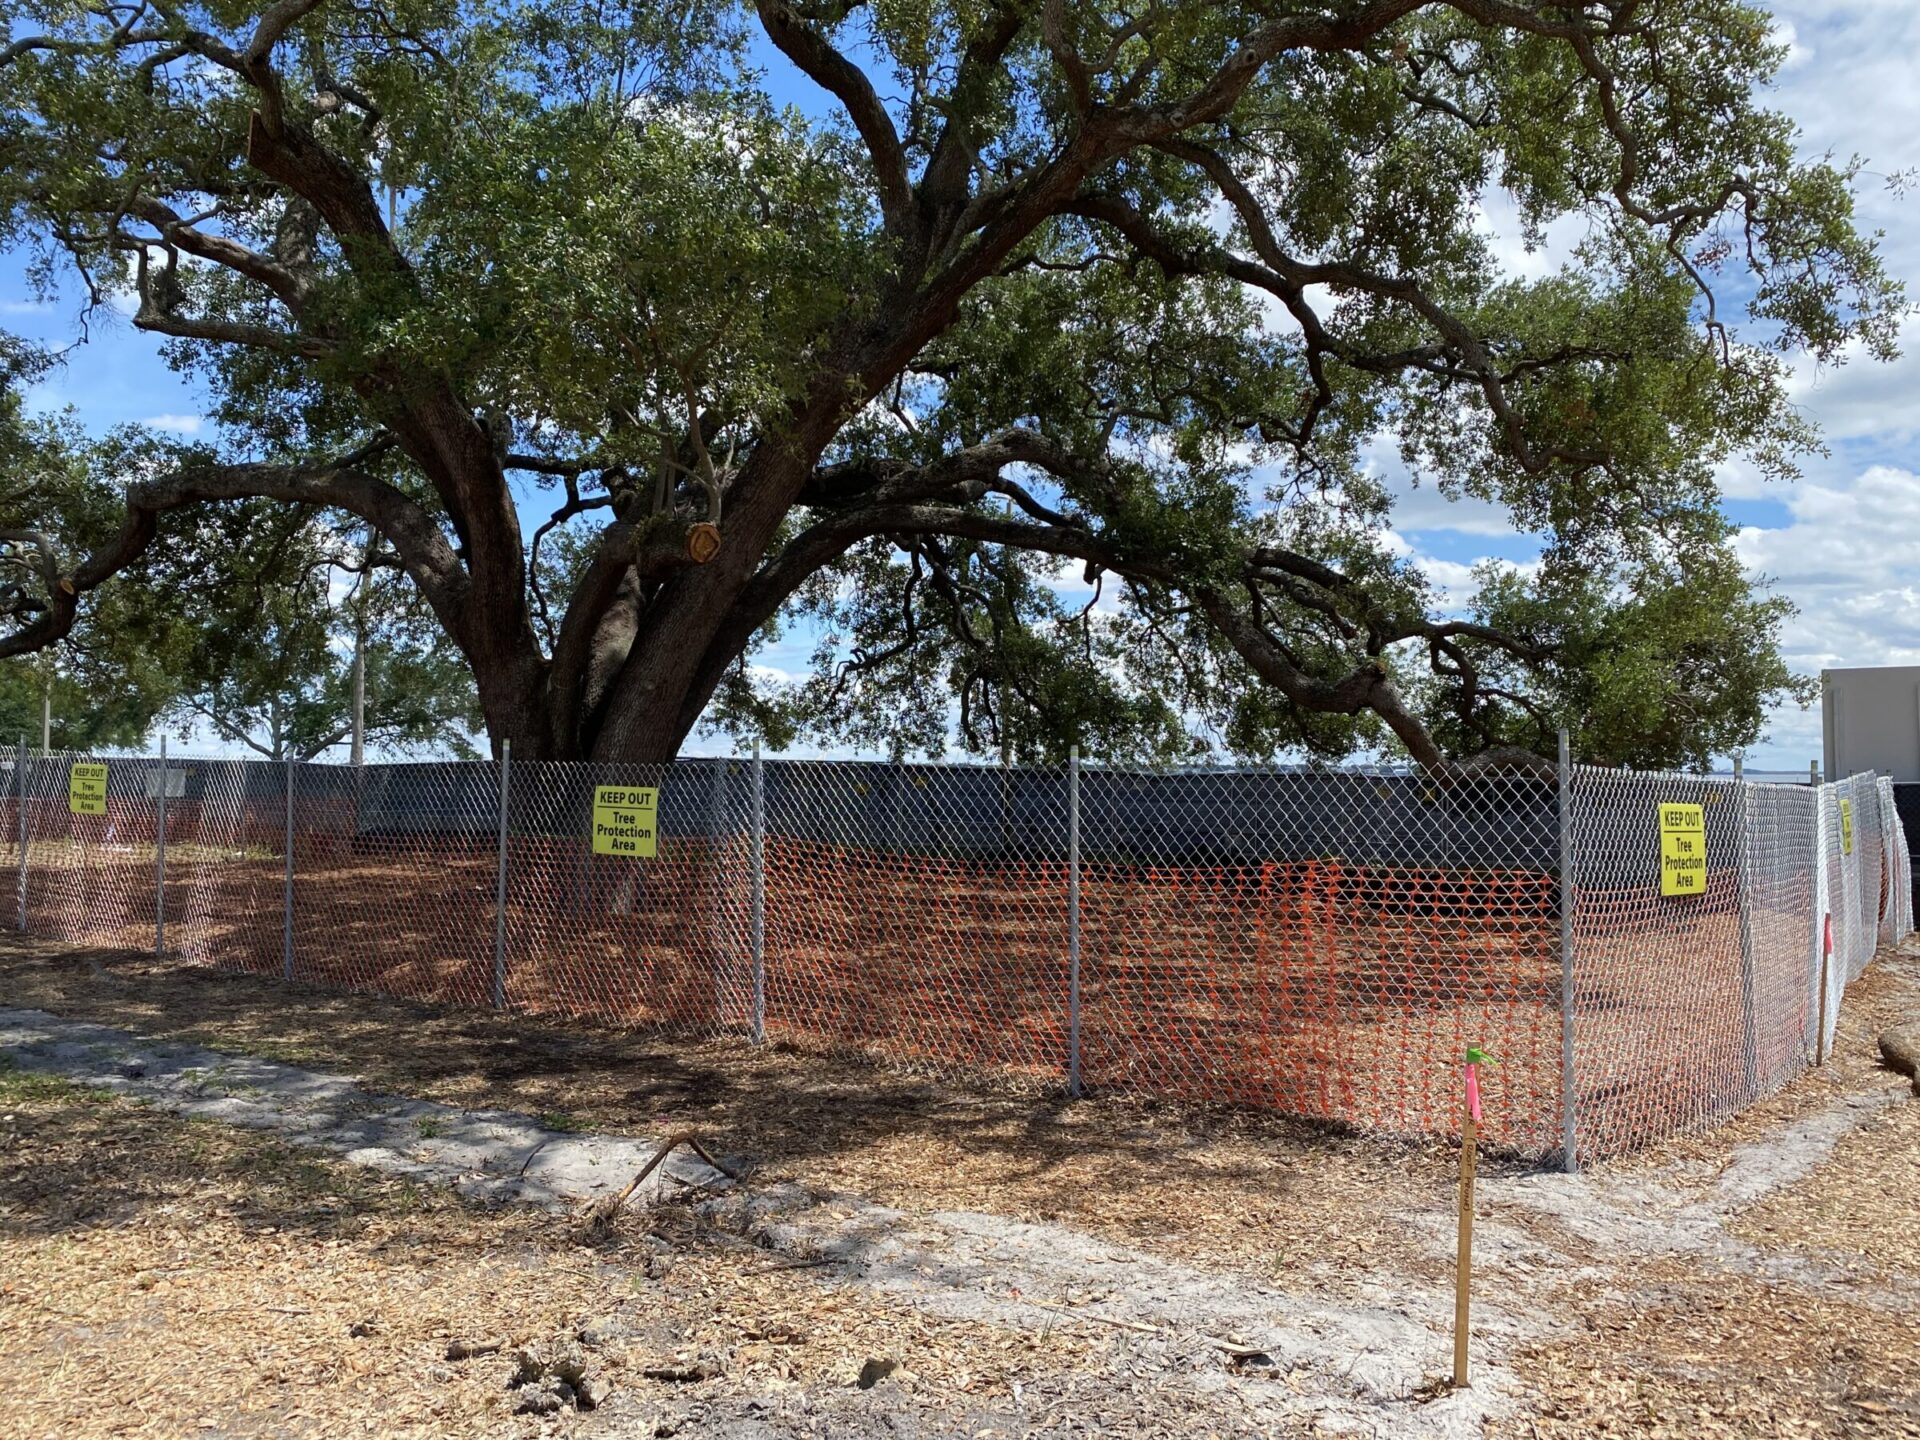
(228,624)
(103,687)
(268,664)
(1669,664)
(1204,289)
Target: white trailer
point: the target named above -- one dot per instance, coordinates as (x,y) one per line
(1870,720)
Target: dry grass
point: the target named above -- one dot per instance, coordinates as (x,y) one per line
(164,1277)
(1230,1188)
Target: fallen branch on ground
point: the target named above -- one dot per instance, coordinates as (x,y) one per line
(598,1219)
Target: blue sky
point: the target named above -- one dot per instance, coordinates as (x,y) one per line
(1839,542)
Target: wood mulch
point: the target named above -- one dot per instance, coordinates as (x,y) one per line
(1230,1188)
(167,1277)
(163,1276)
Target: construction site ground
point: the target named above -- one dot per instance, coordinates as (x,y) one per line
(235,1207)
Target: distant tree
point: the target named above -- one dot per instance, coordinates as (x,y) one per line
(231,627)
(106,682)
(268,662)
(1117,291)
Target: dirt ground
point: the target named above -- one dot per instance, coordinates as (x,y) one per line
(1313,988)
(160,1276)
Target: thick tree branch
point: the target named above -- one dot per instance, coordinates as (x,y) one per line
(841,78)
(287,285)
(423,550)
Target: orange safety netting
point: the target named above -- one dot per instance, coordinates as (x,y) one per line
(927,920)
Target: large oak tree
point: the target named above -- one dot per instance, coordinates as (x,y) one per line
(1135,288)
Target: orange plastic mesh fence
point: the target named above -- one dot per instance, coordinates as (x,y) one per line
(653,941)
(918,957)
(1322,943)
(1691,999)
(1328,990)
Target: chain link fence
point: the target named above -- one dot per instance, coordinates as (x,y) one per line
(1643,952)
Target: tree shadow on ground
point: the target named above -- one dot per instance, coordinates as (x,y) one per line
(1228,1185)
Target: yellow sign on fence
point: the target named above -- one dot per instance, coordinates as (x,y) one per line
(623,821)
(87,788)
(1683,850)
(1846,827)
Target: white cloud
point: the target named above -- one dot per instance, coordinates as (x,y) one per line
(1850,85)
(179,424)
(1453,582)
(1421,506)
(1844,540)
(1497,218)
(1862,398)
(1741,479)
(1783,33)
(1847,560)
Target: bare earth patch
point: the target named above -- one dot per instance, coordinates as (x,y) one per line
(1195,1181)
(166,1276)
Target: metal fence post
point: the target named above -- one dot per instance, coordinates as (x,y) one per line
(500,887)
(160,857)
(1073,921)
(1568,1137)
(716,870)
(20,775)
(286,898)
(1816,970)
(759,897)
(1743,885)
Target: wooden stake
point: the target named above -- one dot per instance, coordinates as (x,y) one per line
(1463,1263)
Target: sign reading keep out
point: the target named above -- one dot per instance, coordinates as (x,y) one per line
(623,821)
(1683,850)
(87,788)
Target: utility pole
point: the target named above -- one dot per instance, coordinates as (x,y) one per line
(359,756)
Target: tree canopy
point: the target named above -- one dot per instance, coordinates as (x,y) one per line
(266,659)
(234,626)
(629,364)
(105,683)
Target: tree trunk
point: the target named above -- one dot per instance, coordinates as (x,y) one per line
(682,643)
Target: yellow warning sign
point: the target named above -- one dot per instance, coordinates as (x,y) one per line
(87,788)
(1846,827)
(1683,850)
(623,821)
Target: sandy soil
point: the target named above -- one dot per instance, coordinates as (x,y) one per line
(1758,1279)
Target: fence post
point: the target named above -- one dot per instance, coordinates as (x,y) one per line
(759,897)
(20,774)
(1816,974)
(1073,921)
(286,893)
(500,887)
(717,916)
(1743,883)
(1569,1152)
(160,857)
